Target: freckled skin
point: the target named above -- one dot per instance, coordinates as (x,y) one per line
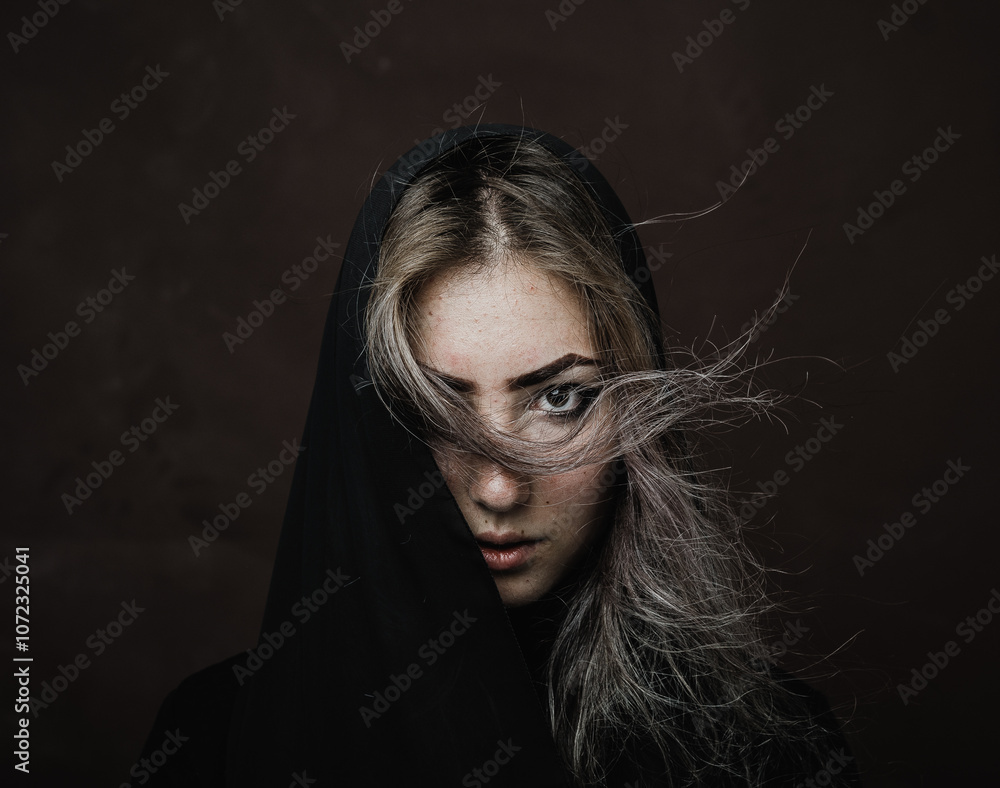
(488,329)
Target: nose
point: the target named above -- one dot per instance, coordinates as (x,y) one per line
(497,488)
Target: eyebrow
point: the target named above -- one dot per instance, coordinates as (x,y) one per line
(532,378)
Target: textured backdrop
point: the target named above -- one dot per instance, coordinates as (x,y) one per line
(168,166)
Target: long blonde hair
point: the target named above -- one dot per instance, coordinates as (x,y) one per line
(659,655)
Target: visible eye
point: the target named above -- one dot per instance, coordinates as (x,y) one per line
(567,399)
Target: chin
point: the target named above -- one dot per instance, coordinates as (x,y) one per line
(520,592)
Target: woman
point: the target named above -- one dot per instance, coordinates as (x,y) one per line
(497,566)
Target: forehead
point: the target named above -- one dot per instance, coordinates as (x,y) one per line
(498,322)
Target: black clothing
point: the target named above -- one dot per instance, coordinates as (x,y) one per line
(386,656)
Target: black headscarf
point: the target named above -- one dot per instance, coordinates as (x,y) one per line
(386,656)
(408,672)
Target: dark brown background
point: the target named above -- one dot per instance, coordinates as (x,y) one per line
(163,335)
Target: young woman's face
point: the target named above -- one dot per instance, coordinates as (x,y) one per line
(514,341)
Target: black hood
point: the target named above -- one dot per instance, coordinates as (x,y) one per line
(407,670)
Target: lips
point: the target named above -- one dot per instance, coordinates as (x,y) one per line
(504,552)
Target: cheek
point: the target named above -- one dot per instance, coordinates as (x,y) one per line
(580,499)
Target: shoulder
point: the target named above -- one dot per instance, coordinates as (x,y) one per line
(187,743)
